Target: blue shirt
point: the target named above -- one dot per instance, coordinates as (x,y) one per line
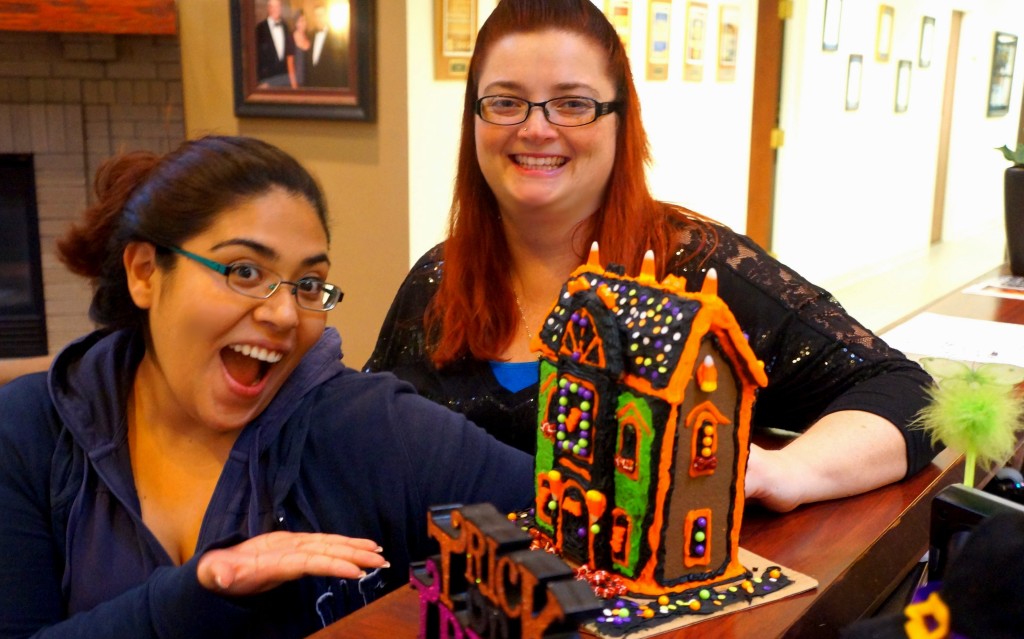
(515,376)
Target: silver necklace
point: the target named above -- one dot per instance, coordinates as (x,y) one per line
(522,315)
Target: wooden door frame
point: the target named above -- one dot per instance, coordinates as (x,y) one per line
(765,118)
(945,127)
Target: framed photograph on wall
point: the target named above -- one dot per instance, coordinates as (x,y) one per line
(696,36)
(883,37)
(854,73)
(659,22)
(924,49)
(903,85)
(1003,54)
(620,14)
(728,41)
(830,29)
(454,36)
(304,59)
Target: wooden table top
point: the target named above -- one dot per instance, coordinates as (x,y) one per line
(858,549)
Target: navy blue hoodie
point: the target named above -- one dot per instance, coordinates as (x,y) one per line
(336,451)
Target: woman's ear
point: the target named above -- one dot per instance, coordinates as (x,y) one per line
(140,266)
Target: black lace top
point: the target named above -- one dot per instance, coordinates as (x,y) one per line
(818,359)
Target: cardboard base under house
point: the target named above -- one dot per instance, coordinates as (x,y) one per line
(648,617)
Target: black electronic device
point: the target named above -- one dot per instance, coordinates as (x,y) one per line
(956,512)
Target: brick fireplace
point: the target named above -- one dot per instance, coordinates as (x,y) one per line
(71,100)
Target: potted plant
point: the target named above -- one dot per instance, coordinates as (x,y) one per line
(1013,192)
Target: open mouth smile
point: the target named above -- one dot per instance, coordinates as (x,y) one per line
(539,163)
(248,365)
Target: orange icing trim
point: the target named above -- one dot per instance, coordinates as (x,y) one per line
(577,284)
(608,297)
(667,453)
(569,465)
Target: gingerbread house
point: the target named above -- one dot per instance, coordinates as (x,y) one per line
(646,392)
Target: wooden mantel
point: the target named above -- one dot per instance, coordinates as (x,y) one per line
(146,17)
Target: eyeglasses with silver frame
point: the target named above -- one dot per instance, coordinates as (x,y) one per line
(567,110)
(253,280)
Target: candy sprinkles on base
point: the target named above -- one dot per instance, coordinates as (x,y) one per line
(625,613)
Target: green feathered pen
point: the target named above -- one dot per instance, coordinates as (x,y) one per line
(974,409)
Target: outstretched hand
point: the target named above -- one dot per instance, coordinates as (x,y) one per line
(268,560)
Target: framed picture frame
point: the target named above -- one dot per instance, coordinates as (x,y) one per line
(924,49)
(659,25)
(903,68)
(696,37)
(883,36)
(830,28)
(620,14)
(455,27)
(316,62)
(854,76)
(1004,51)
(728,41)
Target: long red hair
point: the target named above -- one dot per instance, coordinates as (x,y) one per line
(474,311)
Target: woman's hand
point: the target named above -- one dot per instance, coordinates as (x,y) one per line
(770,481)
(845,453)
(268,560)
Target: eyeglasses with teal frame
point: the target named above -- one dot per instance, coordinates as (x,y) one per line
(253,280)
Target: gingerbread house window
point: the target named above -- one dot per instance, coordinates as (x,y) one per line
(545,496)
(704,422)
(621,529)
(626,452)
(581,341)
(574,405)
(697,538)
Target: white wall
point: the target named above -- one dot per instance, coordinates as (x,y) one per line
(435,109)
(854,189)
(699,131)
(977,193)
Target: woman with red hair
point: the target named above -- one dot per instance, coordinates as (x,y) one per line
(553,157)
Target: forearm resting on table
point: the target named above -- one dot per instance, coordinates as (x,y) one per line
(844,453)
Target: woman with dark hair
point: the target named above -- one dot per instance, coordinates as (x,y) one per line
(298,61)
(204,465)
(552,158)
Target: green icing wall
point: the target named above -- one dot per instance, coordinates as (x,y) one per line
(633,496)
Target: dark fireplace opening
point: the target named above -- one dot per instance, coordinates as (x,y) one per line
(22,305)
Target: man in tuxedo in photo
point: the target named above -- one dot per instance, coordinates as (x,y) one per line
(273,46)
(329,53)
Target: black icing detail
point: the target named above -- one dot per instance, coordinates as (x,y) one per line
(726,595)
